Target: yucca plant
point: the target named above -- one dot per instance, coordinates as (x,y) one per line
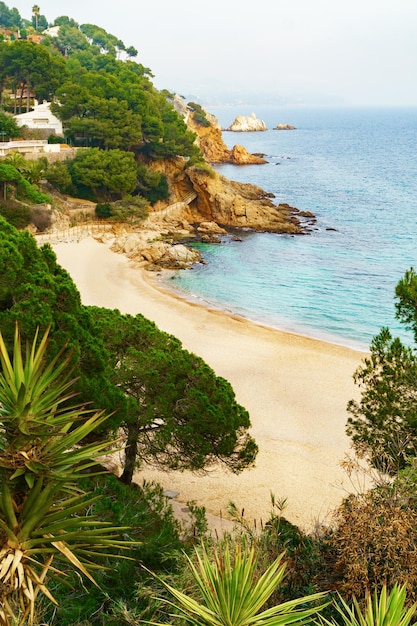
(383,609)
(232,594)
(42,511)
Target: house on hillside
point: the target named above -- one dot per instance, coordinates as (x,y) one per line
(52,31)
(35,37)
(40,118)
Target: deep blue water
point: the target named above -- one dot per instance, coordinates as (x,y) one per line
(356,170)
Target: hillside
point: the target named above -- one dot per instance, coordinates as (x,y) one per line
(132,145)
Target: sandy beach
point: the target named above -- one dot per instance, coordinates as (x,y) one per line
(295,388)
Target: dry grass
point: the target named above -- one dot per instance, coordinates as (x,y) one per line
(374,542)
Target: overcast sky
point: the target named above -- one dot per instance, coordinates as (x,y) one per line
(360,52)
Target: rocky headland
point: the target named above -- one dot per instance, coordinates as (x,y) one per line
(202,204)
(209,138)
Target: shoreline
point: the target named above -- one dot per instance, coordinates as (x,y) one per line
(295,388)
(160,281)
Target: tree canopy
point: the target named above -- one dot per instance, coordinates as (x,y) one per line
(36,292)
(383,424)
(181,415)
(9,18)
(110,174)
(25,67)
(176,412)
(104,103)
(8,126)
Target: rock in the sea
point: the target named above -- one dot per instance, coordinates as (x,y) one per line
(247,124)
(284,127)
(240,156)
(210,141)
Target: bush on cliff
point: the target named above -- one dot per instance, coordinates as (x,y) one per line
(131,209)
(199,116)
(58,175)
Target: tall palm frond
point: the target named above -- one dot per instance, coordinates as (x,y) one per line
(42,455)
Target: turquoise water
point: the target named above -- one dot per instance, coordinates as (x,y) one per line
(356,170)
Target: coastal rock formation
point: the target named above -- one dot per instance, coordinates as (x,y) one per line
(223,201)
(248,123)
(211,228)
(136,246)
(284,127)
(241,205)
(201,204)
(240,156)
(210,141)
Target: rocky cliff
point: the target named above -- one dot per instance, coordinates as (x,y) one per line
(242,205)
(201,204)
(210,140)
(223,201)
(211,144)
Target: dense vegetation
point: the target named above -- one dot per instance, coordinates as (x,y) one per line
(37,293)
(107,103)
(169,406)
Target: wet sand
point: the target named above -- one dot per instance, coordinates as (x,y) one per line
(295,388)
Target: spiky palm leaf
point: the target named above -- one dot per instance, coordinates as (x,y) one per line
(383,609)
(233,596)
(42,512)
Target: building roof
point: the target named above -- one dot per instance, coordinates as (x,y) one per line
(40,117)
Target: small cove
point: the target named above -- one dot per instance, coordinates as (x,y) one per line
(355,170)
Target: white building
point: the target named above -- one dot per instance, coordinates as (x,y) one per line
(52,31)
(35,148)
(40,118)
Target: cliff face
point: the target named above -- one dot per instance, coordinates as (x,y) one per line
(210,140)
(211,144)
(240,205)
(215,199)
(226,202)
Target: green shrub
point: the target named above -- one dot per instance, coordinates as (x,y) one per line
(130,208)
(8,126)
(56,139)
(279,535)
(146,511)
(17,215)
(200,165)
(151,184)
(200,116)
(57,175)
(26,191)
(103,210)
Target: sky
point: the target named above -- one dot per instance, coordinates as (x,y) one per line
(355,52)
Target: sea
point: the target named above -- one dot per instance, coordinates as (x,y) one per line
(356,170)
